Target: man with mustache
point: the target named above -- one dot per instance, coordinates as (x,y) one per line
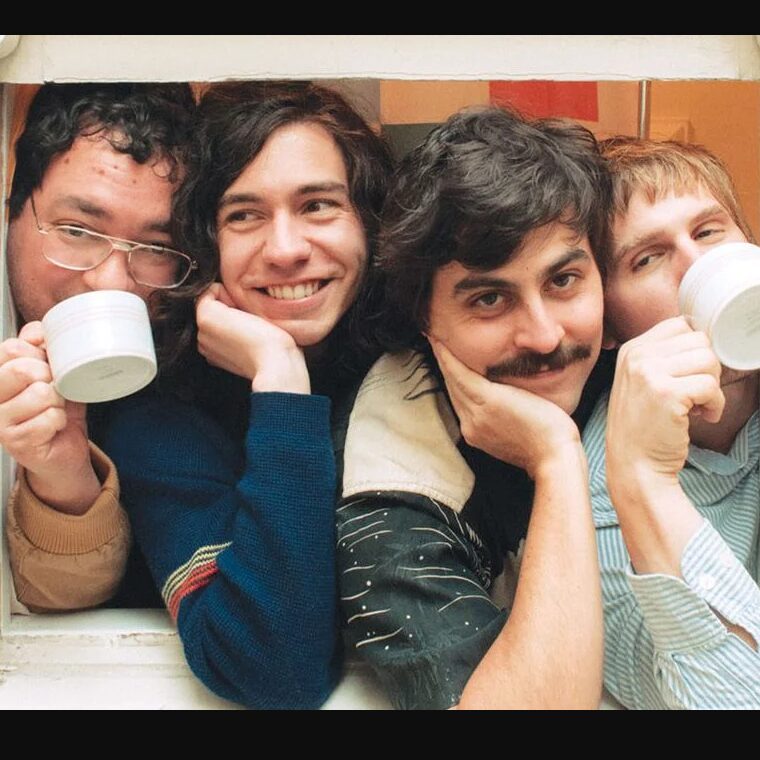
(464,462)
(674,450)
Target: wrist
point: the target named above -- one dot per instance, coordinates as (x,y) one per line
(286,374)
(632,481)
(560,460)
(69,490)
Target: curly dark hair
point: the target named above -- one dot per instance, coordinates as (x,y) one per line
(471,192)
(234,122)
(149,122)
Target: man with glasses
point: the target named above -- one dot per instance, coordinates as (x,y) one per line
(89,209)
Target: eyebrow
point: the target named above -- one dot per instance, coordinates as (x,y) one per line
(90,208)
(652,237)
(316,187)
(477,281)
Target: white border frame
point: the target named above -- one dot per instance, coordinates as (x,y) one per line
(115,658)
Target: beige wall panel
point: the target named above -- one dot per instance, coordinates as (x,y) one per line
(722,116)
(427,102)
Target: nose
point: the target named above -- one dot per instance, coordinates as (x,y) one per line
(286,245)
(111,274)
(688,251)
(537,329)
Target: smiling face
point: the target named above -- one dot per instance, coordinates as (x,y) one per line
(291,243)
(654,243)
(95,187)
(535,322)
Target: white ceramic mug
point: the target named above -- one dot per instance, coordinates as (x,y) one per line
(99,345)
(720,292)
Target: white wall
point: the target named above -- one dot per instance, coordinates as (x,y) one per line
(39,58)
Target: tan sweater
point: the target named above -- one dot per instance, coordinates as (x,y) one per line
(68,562)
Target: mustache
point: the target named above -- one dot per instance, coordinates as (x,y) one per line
(529,364)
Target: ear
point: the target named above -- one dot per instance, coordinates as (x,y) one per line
(609,341)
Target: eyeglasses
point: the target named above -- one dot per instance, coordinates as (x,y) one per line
(78,249)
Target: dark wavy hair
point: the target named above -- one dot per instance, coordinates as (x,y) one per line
(149,122)
(471,193)
(234,122)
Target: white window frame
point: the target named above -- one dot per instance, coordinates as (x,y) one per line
(133,658)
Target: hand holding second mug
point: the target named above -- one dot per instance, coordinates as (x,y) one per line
(662,378)
(508,423)
(249,346)
(43,432)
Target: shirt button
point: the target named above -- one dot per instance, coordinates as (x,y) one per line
(706,582)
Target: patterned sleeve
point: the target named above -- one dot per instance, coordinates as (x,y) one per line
(664,645)
(240,540)
(413,581)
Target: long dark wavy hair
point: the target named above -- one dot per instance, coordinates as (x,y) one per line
(234,122)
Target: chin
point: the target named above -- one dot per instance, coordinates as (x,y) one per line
(305,335)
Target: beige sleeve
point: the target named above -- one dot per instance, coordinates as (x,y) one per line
(68,562)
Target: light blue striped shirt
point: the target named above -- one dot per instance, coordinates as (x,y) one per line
(664,645)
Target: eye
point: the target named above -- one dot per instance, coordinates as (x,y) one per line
(155,253)
(488,303)
(645,260)
(564,280)
(320,205)
(241,218)
(706,232)
(71,232)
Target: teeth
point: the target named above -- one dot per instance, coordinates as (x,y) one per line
(293,292)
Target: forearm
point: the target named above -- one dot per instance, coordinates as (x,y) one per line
(656,517)
(414,599)
(549,653)
(244,559)
(264,632)
(70,490)
(665,646)
(657,521)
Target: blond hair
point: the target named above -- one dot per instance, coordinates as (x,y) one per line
(659,168)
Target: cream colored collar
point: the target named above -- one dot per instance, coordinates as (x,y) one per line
(403,435)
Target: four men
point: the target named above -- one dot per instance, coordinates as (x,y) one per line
(467,556)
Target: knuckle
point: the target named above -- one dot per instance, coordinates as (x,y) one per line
(42,392)
(20,371)
(12,348)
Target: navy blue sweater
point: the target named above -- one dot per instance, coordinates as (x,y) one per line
(239,538)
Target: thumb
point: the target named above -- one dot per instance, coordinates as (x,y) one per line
(33,333)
